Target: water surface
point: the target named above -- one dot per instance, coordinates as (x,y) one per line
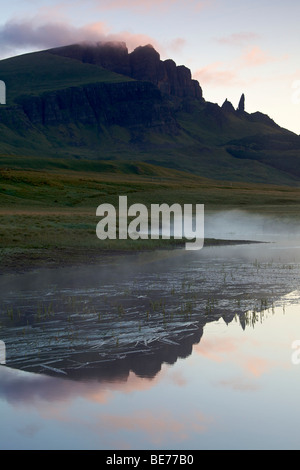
(164,350)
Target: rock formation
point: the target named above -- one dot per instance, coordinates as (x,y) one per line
(241,106)
(130,104)
(143,63)
(227,107)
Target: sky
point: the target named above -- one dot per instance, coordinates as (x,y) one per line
(231,46)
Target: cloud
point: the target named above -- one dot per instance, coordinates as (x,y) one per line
(237,39)
(230,74)
(214,74)
(176,45)
(66,8)
(147,5)
(255,56)
(51,26)
(30,33)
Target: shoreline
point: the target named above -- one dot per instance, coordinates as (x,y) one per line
(24,260)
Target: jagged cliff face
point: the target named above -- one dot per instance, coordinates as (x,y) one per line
(142,64)
(125,104)
(62,104)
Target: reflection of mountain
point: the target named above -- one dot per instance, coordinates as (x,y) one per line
(144,361)
(147,309)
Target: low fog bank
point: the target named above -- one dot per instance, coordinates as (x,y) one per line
(243,225)
(236,224)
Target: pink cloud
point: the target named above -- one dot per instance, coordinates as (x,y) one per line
(237,39)
(214,74)
(24,33)
(255,56)
(51,26)
(229,74)
(176,44)
(65,7)
(30,33)
(147,5)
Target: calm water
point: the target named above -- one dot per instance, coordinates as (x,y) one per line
(167,350)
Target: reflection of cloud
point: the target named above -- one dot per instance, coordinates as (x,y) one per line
(230,350)
(30,430)
(178,379)
(215,349)
(59,394)
(239,383)
(101,393)
(158,427)
(20,388)
(32,389)
(258,366)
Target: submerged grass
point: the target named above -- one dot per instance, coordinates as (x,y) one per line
(118,320)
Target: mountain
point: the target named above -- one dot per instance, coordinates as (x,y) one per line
(100,102)
(142,64)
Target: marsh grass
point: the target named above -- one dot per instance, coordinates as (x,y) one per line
(48,216)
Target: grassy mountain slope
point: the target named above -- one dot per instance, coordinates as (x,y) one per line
(60,109)
(41,72)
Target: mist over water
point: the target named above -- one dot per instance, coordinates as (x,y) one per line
(243,225)
(237,224)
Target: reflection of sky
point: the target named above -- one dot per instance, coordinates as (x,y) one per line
(238,389)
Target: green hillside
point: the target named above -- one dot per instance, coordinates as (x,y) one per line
(61,109)
(41,72)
